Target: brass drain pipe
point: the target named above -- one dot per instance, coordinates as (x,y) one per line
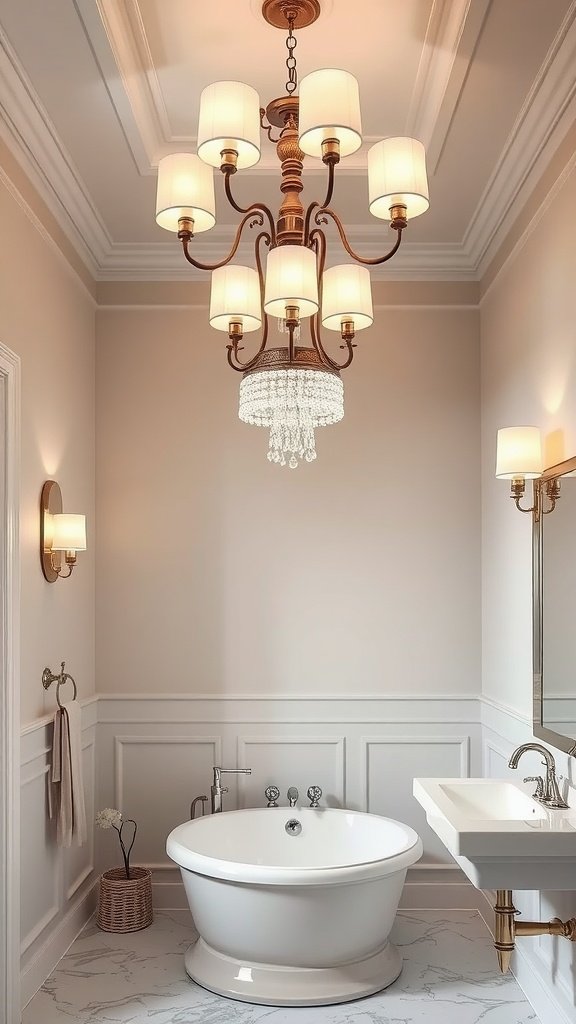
(507,929)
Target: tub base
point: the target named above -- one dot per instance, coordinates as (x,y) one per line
(274,985)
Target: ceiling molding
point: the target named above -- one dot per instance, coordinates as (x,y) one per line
(546,115)
(164,260)
(548,110)
(453,31)
(32,137)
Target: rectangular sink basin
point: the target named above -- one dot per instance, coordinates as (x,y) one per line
(500,836)
(498,801)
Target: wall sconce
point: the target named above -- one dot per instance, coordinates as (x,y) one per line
(519,458)
(59,532)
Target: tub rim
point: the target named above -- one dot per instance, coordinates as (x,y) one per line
(262,874)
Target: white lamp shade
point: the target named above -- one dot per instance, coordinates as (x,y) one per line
(68,532)
(346,295)
(397,177)
(235,295)
(185,189)
(229,119)
(519,453)
(291,280)
(329,108)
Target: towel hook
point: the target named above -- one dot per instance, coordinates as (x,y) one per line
(61,677)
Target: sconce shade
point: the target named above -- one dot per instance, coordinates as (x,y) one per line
(291,281)
(68,532)
(235,295)
(518,453)
(346,295)
(185,189)
(229,119)
(329,108)
(397,177)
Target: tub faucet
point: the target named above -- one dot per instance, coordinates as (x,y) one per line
(292,796)
(217,789)
(197,800)
(550,794)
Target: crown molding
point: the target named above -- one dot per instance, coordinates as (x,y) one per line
(32,138)
(549,109)
(164,260)
(115,28)
(452,34)
(546,115)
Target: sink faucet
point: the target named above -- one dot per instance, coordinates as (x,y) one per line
(550,792)
(216,790)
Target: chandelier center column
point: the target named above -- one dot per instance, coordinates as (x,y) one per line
(290,224)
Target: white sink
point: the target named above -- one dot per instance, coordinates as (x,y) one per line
(497,801)
(499,835)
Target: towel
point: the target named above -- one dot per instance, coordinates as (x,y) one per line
(66,790)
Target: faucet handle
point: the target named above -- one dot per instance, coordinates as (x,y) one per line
(314,795)
(539,791)
(272,793)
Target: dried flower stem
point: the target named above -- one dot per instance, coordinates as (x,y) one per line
(126,854)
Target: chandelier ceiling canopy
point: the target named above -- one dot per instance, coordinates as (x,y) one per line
(291,389)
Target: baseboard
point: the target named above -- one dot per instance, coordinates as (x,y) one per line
(551,1004)
(53,949)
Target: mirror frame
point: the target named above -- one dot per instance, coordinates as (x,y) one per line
(555,739)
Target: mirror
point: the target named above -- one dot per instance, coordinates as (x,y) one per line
(554,583)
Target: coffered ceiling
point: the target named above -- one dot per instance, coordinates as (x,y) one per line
(94,92)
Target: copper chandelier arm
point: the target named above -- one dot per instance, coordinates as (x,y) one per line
(327,212)
(233,348)
(318,241)
(319,207)
(267,127)
(260,208)
(254,217)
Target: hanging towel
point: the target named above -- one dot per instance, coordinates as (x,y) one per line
(66,790)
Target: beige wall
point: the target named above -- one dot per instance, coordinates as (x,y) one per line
(528,376)
(48,320)
(219,573)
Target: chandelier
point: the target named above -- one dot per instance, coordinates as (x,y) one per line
(290,388)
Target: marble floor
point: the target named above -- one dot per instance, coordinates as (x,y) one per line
(449,977)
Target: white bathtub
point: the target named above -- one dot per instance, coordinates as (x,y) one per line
(293,919)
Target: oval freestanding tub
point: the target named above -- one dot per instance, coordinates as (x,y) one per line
(293,916)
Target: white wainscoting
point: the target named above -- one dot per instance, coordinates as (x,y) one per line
(545,967)
(156,755)
(57,885)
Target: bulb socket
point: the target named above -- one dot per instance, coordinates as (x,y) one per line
(517,487)
(398,217)
(185,228)
(331,151)
(347,330)
(235,330)
(229,161)
(292,316)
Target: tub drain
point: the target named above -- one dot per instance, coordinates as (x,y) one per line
(293,827)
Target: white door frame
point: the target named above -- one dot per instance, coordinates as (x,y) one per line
(10,697)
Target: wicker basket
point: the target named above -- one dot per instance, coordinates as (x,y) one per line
(125,904)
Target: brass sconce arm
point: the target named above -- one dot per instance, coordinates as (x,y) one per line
(507,929)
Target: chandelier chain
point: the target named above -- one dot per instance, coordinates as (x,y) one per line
(291,43)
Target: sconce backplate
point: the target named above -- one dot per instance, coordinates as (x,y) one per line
(50,505)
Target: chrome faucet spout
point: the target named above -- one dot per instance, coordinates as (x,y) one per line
(550,794)
(217,789)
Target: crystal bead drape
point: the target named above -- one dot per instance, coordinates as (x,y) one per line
(291,402)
